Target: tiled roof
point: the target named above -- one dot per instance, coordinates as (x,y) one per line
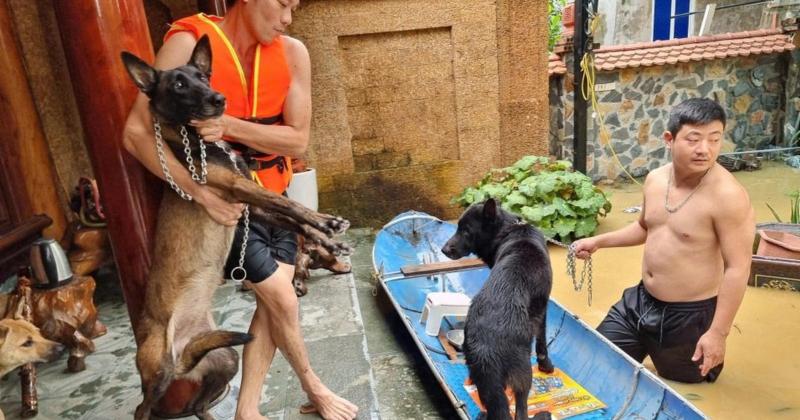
(556,66)
(712,47)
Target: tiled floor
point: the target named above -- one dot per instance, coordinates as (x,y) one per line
(356,345)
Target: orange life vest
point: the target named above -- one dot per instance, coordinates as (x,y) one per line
(259,98)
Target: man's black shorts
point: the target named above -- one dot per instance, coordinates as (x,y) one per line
(642,325)
(265,246)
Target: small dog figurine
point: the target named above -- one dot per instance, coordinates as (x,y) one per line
(311,257)
(509,311)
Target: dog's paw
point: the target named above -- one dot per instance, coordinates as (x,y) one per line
(342,249)
(332,225)
(300,288)
(545,365)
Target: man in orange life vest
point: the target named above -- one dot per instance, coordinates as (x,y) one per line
(265,77)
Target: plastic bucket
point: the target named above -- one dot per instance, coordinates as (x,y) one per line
(303,188)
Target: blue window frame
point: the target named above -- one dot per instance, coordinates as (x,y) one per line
(666,28)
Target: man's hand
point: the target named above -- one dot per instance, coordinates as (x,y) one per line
(212,129)
(221,211)
(584,248)
(710,348)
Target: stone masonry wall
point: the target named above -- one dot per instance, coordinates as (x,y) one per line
(751,89)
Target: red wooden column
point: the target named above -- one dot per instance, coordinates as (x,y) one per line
(93,33)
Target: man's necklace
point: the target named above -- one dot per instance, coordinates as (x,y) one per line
(669,185)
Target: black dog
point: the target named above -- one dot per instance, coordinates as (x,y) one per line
(510,310)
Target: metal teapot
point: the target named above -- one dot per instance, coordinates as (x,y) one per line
(49,263)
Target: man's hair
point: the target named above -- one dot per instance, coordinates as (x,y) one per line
(229,3)
(694,111)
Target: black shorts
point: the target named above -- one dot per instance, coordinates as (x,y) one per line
(265,246)
(642,325)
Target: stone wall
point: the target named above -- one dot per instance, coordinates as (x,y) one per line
(751,89)
(410,98)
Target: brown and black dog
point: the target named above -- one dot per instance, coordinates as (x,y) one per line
(176,334)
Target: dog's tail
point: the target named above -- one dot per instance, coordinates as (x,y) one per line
(203,343)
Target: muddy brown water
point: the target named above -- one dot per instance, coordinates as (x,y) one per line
(761,379)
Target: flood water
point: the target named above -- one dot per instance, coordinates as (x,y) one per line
(761,378)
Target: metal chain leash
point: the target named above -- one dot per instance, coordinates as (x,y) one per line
(162,159)
(240,268)
(201,179)
(586,272)
(187,150)
(246,213)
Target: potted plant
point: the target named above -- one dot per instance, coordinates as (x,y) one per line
(548,194)
(303,187)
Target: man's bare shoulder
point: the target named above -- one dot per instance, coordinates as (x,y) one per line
(656,176)
(296,51)
(176,51)
(728,193)
(725,183)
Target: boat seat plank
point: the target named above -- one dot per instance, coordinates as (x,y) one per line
(442,266)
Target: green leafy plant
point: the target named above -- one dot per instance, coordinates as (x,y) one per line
(555,10)
(794,212)
(547,194)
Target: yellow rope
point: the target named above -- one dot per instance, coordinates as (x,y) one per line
(589,94)
(255,178)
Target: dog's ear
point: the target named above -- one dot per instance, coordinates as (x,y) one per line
(142,73)
(490,209)
(201,56)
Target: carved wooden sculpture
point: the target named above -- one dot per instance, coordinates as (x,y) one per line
(66,314)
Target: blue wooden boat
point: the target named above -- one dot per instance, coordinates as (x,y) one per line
(628,389)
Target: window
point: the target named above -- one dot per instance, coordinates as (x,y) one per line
(664,27)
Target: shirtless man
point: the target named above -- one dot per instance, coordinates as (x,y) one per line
(698,228)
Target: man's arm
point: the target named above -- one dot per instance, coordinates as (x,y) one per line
(734,225)
(289,138)
(139,139)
